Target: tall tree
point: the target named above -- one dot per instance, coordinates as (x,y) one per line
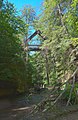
(12,67)
(54,26)
(28,15)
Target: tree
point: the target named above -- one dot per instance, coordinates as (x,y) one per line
(12,66)
(58,21)
(72,19)
(56,26)
(1,3)
(28,15)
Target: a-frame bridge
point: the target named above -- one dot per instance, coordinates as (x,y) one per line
(33,47)
(36,47)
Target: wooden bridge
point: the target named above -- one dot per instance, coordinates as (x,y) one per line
(33,47)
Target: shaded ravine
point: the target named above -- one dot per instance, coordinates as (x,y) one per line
(20,109)
(13,111)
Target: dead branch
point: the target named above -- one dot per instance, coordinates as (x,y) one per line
(48,98)
(71,90)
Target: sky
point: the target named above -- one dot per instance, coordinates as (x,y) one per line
(20,3)
(35,3)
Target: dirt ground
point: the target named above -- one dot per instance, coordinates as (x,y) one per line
(20,109)
(71,116)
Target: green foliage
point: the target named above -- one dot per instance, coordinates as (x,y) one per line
(36,61)
(74,97)
(54,64)
(58,22)
(72,19)
(12,66)
(28,14)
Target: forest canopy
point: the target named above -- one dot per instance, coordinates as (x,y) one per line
(58,58)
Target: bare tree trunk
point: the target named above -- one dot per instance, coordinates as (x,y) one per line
(72,87)
(60,13)
(47,70)
(61,18)
(44,54)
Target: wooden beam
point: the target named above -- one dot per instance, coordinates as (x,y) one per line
(34,34)
(33,45)
(34,49)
